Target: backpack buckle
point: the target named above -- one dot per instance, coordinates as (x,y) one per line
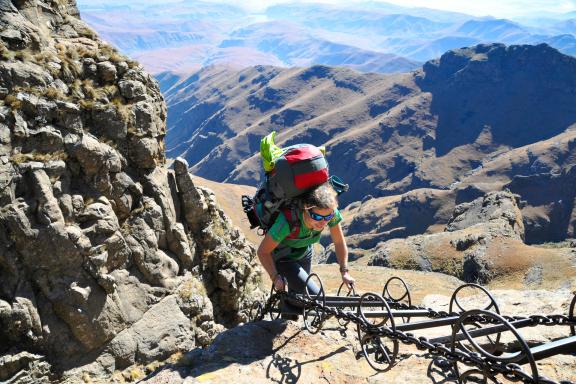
(338,184)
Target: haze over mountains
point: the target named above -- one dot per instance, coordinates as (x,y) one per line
(477,119)
(369,37)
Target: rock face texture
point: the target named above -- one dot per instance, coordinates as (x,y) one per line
(482,242)
(106,256)
(499,209)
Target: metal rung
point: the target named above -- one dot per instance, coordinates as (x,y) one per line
(354,299)
(367,304)
(482,332)
(427,324)
(349,303)
(343,298)
(397,313)
(562,346)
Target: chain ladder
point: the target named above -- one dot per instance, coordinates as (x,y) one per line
(510,371)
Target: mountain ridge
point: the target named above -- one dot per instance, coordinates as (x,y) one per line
(390,133)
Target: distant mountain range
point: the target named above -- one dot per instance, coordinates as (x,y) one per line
(369,37)
(475,120)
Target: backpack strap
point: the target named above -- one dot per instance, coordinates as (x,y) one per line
(291,214)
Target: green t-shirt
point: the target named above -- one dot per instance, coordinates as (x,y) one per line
(306,237)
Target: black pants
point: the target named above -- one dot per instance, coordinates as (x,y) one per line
(296,272)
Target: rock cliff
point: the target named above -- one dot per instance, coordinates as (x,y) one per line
(107,257)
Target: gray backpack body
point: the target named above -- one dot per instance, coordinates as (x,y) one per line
(299,169)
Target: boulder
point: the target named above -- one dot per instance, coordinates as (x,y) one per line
(482,242)
(145,152)
(496,207)
(158,336)
(131,89)
(109,123)
(22,74)
(46,139)
(106,71)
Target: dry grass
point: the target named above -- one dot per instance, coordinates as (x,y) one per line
(86,104)
(512,259)
(44,57)
(5,53)
(132,64)
(54,94)
(13,102)
(93,92)
(70,60)
(85,52)
(111,53)
(191,287)
(23,56)
(20,158)
(70,68)
(88,89)
(76,90)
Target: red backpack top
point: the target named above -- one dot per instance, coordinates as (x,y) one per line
(296,169)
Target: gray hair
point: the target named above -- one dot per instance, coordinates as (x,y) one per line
(323,196)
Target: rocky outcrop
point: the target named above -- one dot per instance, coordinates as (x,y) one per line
(375,220)
(499,209)
(106,256)
(548,216)
(482,241)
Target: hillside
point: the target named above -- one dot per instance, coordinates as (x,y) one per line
(469,122)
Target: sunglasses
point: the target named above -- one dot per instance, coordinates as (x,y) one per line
(318,217)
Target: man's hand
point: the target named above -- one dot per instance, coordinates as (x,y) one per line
(349,280)
(279,283)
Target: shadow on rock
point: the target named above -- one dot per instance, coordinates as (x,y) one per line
(441,371)
(284,370)
(243,345)
(264,344)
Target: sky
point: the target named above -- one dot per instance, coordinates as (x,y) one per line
(496,8)
(510,9)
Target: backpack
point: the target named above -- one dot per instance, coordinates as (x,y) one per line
(289,173)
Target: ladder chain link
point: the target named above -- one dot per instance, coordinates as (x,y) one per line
(510,371)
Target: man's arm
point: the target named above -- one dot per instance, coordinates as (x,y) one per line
(341,253)
(265,256)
